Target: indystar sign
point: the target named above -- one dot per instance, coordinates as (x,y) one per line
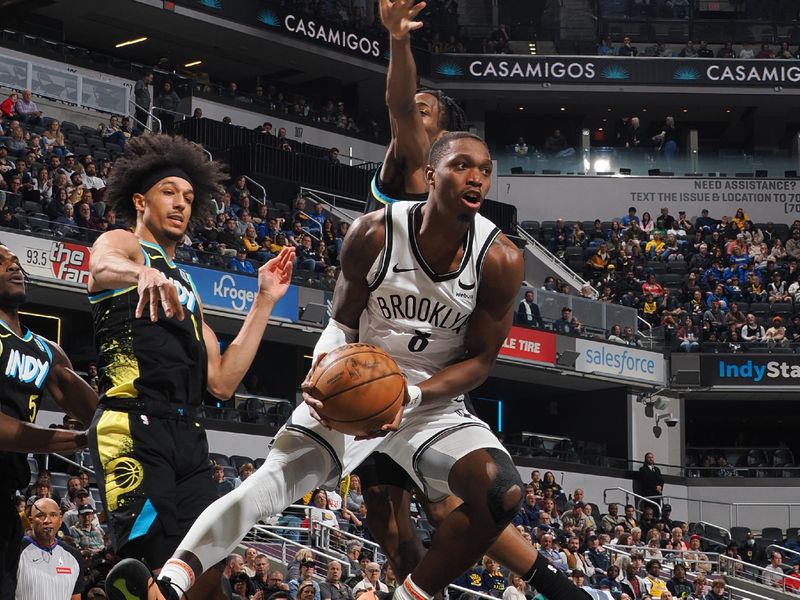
(749,369)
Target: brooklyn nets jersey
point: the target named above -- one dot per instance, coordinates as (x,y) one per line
(25,362)
(162,361)
(418,316)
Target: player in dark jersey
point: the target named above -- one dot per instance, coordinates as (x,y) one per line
(418,117)
(157,356)
(30,365)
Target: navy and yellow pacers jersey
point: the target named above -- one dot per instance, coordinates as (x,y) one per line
(163,361)
(379,196)
(26,362)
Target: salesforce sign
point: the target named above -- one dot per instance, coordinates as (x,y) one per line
(234,292)
(622,362)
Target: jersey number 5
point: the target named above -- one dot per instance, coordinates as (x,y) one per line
(420,341)
(32,407)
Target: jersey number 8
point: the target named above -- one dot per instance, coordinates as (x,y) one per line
(420,341)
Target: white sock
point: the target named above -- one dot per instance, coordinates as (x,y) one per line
(295,464)
(411,591)
(179,573)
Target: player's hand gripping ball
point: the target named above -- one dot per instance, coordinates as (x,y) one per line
(361,389)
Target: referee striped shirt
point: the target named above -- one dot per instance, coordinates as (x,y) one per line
(54,573)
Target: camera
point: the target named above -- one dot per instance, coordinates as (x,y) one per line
(671,421)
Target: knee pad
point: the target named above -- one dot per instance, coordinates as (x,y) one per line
(505,495)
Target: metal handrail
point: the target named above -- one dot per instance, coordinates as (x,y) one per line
(529,239)
(749,568)
(464,590)
(267,530)
(148,112)
(715,525)
(263,199)
(781,549)
(316,196)
(68,461)
(628,493)
(746,593)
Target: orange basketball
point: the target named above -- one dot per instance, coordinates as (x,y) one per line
(361,388)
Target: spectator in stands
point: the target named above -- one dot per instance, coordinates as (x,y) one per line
(528,314)
(90,179)
(696,559)
(765,52)
(557,145)
(65,224)
(53,139)
(726,51)
(704,51)
(689,336)
(113,132)
(168,101)
(775,336)
(494,582)
(141,94)
(9,106)
(627,49)
(240,263)
(612,519)
(556,558)
(68,499)
(306,257)
(631,584)
(598,557)
(223,485)
(86,536)
(650,478)
(229,240)
(333,156)
(303,578)
(717,591)
(17,145)
(564,324)
(260,577)
(653,583)
(688,51)
(318,217)
(371,581)
(333,588)
(239,583)
(82,499)
(560,239)
(26,110)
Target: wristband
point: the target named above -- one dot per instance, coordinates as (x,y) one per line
(414,396)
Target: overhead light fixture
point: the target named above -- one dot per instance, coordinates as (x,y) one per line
(563,108)
(194,63)
(131,42)
(685,110)
(727,110)
(520,108)
(644,110)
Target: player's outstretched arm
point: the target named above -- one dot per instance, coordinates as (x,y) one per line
(503,272)
(19,436)
(69,390)
(408,150)
(225,371)
(117,263)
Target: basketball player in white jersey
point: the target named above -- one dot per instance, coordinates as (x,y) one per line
(435,285)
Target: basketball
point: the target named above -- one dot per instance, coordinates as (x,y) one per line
(361,388)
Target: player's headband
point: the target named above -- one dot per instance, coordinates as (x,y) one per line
(154,177)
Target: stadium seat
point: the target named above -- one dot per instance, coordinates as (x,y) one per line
(219,459)
(68,126)
(739,534)
(34,467)
(782,308)
(230,473)
(258,462)
(760,309)
(792,534)
(59,479)
(678,266)
(773,534)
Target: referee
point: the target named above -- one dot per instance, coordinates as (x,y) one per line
(48,569)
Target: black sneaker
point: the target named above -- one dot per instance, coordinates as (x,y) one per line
(130,579)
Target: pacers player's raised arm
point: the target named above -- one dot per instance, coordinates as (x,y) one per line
(408,150)
(225,371)
(503,272)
